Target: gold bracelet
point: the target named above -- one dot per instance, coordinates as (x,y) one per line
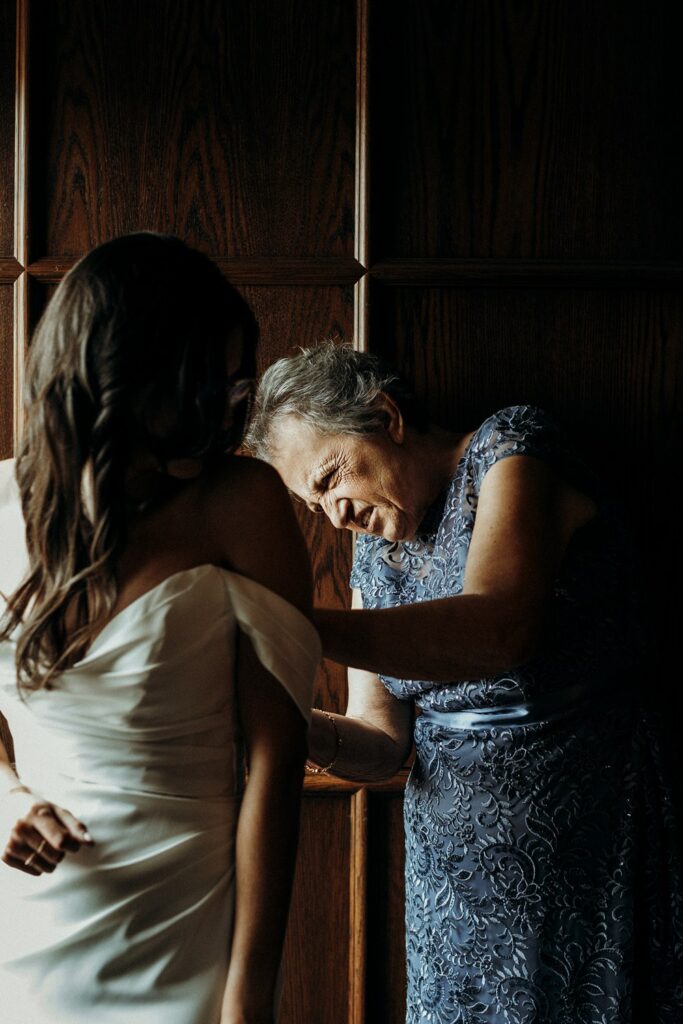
(314,769)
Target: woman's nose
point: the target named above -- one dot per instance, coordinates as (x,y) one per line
(339,512)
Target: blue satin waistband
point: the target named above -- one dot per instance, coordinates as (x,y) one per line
(546,708)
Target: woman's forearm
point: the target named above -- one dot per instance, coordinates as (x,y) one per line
(266,843)
(453,638)
(365,752)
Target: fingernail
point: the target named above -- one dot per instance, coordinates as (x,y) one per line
(86,835)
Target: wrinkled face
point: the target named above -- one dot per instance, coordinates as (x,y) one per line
(363,483)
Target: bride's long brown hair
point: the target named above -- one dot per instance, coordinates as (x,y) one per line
(130,355)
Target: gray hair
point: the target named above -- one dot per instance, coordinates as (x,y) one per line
(331,387)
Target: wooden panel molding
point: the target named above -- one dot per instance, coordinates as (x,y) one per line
(10,269)
(539,273)
(316,960)
(311,270)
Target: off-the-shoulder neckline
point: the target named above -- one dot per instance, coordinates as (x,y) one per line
(153,592)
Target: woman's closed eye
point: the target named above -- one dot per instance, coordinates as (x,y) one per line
(312,506)
(323,483)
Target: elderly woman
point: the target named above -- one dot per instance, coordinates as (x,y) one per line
(493,579)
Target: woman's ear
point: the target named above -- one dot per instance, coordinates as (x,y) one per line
(394,424)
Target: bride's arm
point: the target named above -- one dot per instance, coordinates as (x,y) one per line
(275,740)
(268,548)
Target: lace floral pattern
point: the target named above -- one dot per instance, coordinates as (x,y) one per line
(531,850)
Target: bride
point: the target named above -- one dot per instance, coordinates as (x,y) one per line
(154,638)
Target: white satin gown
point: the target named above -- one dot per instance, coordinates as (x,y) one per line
(140,741)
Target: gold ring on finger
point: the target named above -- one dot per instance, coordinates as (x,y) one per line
(30,859)
(41,848)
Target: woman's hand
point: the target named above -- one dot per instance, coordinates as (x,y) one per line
(40,833)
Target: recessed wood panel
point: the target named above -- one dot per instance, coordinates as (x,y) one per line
(507,129)
(292,317)
(6,414)
(6,371)
(385,969)
(316,960)
(605,363)
(7,60)
(231,125)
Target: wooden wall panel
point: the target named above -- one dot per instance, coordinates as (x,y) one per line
(316,963)
(290,317)
(7,54)
(603,361)
(294,316)
(506,129)
(231,125)
(385,980)
(6,411)
(6,370)
(606,363)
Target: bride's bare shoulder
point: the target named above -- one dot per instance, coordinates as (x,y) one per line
(242,482)
(249,512)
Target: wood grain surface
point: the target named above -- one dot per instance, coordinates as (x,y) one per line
(385,966)
(6,413)
(6,371)
(605,363)
(507,129)
(316,957)
(231,125)
(289,318)
(7,59)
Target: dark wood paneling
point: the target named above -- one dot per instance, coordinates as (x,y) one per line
(605,363)
(39,294)
(386,975)
(7,52)
(6,371)
(231,125)
(507,129)
(292,317)
(315,962)
(6,413)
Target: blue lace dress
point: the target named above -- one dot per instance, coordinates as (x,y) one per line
(541,877)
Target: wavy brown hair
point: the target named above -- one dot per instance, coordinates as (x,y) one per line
(130,355)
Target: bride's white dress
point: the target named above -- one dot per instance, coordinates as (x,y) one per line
(140,741)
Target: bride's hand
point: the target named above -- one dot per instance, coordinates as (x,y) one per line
(40,833)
